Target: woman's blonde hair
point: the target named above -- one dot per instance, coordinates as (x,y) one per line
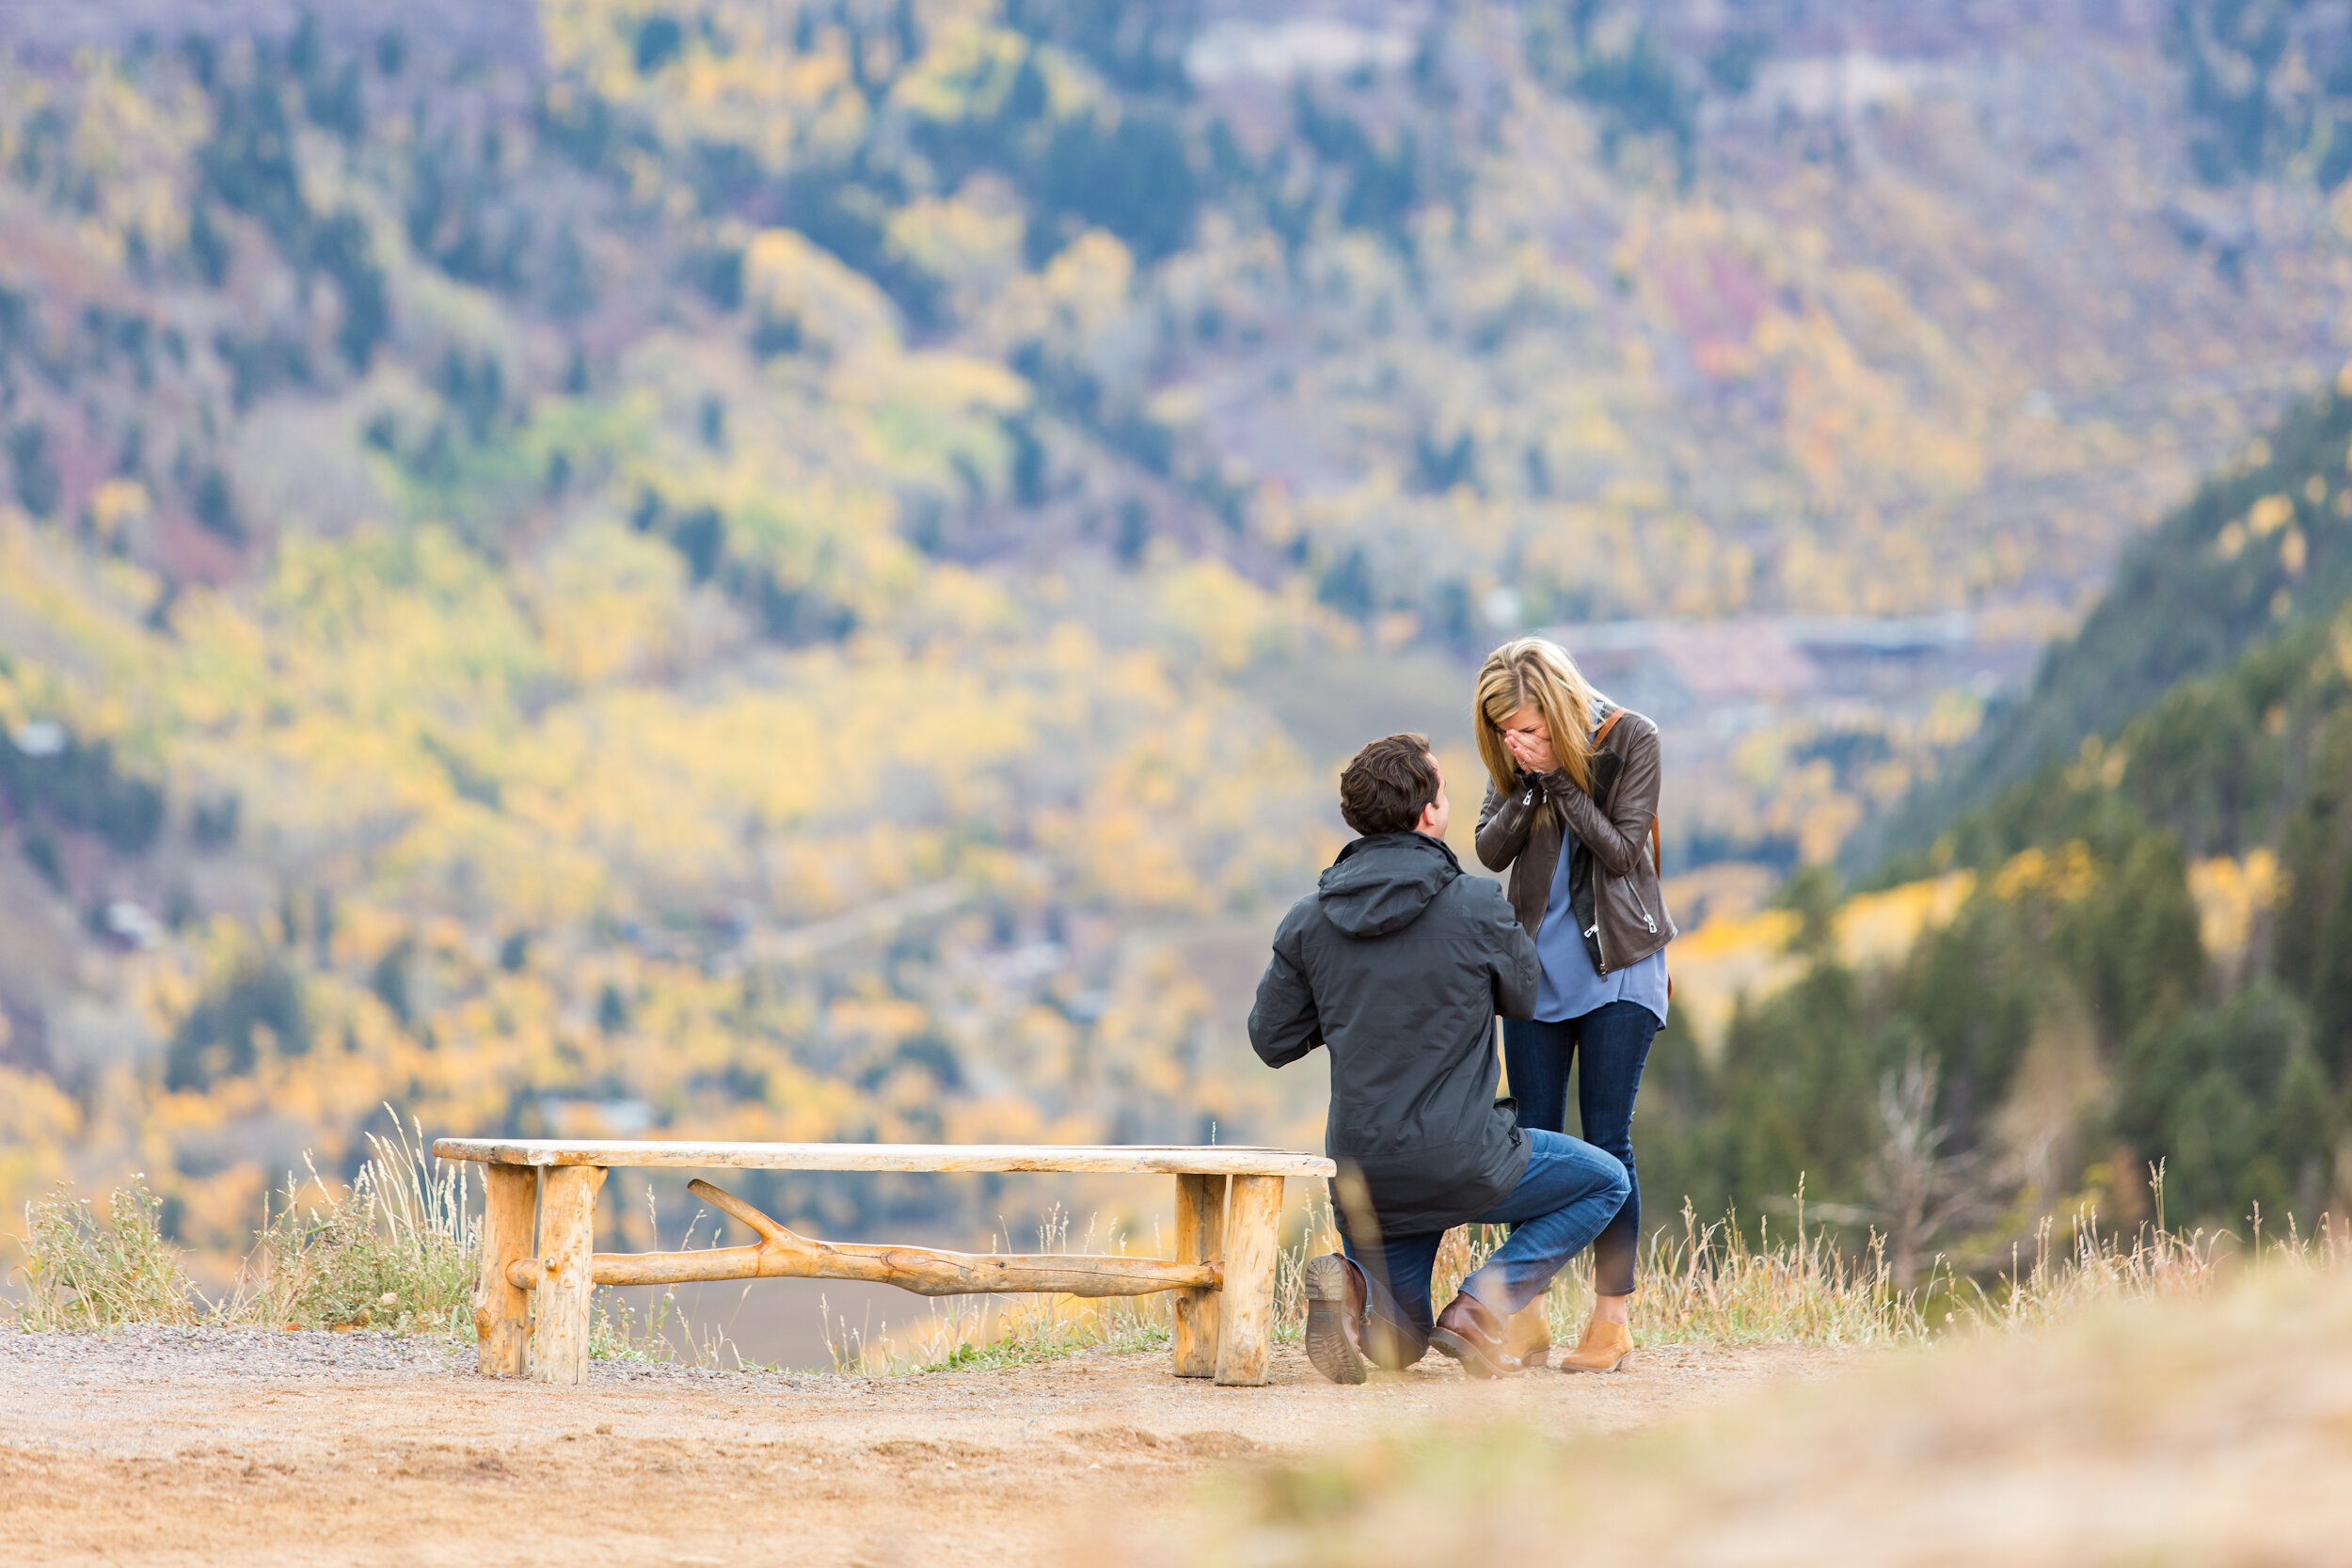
(1537,673)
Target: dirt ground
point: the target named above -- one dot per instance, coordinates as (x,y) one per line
(190,1446)
(2203,1429)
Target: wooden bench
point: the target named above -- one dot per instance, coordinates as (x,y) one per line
(540,1267)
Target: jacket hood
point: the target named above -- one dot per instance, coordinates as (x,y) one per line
(1382,883)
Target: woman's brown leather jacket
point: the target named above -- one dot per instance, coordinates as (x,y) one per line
(1627,920)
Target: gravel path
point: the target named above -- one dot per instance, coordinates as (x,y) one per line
(148,1351)
(151,1353)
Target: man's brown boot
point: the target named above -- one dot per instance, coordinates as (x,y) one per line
(1335,1319)
(1473,1335)
(1606,1348)
(1527,1337)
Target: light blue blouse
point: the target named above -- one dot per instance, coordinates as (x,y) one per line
(1571,986)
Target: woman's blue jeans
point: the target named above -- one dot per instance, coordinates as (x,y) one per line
(1615,1043)
(1566,1194)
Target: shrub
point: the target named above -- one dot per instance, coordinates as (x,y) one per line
(84,1270)
(397,1249)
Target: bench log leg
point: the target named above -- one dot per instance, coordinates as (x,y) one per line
(567,1243)
(1246,1316)
(1200,1239)
(501,1311)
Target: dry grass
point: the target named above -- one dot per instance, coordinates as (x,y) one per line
(2088,1267)
(87,1269)
(393,1250)
(985,1333)
(1707,1285)
(665,1333)
(1710,1286)
(397,1248)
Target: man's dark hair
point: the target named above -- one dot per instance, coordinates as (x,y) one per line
(1387,786)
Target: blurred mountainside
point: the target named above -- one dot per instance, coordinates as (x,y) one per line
(803,570)
(2133,953)
(505,32)
(2260,549)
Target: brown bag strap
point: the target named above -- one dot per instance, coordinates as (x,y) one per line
(1657,855)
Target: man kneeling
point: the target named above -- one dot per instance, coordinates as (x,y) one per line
(1398,962)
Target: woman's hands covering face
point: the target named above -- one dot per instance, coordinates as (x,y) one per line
(1529,741)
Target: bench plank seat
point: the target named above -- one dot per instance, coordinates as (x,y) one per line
(1113,1159)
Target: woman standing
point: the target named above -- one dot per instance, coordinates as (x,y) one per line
(1570,770)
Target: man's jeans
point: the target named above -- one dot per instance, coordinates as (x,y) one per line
(1569,1192)
(1614,1043)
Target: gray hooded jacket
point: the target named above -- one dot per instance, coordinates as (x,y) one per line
(1398,962)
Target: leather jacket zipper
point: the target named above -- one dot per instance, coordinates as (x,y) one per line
(1593,930)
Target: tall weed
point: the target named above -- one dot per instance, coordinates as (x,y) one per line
(85,1269)
(397,1249)
(1710,1286)
(2091,1266)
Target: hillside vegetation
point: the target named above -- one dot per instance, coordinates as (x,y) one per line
(2146,958)
(2264,546)
(735,578)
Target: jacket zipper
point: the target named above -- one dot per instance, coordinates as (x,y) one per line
(1594,931)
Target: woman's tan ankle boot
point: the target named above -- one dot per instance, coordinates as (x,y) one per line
(1527,1337)
(1606,1348)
